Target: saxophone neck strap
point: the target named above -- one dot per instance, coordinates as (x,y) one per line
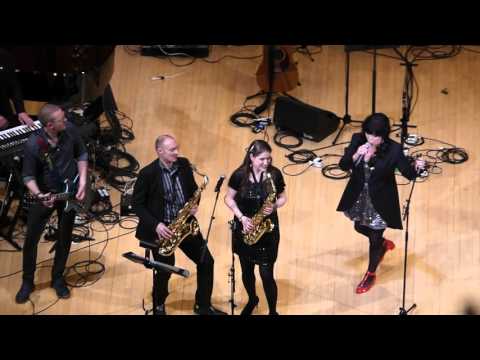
(255,178)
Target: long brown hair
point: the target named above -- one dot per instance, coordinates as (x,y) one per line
(255,148)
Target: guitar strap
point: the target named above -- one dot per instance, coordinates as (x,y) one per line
(47,152)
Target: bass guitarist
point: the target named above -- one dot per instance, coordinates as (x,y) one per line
(52,155)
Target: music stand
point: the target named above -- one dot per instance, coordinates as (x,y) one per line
(156,266)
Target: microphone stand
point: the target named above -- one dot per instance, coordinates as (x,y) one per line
(406,214)
(156,266)
(217,190)
(231,273)
(406,99)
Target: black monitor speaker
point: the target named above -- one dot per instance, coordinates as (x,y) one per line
(303,119)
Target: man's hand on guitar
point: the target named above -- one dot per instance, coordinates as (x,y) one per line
(46,199)
(81,192)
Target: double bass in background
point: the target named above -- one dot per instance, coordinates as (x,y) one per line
(277,71)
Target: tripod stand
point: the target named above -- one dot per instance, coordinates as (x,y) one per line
(270,76)
(277,73)
(346,118)
(156,266)
(406,216)
(406,99)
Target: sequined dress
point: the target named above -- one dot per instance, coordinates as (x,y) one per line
(363,210)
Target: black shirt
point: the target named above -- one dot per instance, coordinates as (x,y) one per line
(250,197)
(50,166)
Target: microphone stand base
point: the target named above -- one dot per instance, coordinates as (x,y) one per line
(404,312)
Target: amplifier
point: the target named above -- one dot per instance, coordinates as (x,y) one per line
(305,120)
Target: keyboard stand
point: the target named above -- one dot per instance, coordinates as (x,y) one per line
(7,202)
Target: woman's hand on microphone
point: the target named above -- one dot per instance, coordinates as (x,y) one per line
(361,151)
(420,165)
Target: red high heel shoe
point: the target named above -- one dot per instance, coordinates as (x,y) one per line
(387,245)
(367,282)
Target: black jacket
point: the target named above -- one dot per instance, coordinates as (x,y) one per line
(382,185)
(148,196)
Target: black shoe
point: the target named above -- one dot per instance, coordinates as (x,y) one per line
(273,313)
(61,288)
(160,310)
(24,293)
(252,304)
(210,310)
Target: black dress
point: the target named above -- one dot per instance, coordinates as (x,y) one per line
(250,198)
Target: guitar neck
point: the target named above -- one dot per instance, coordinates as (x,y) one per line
(62,196)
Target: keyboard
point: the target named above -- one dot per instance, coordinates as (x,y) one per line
(12,140)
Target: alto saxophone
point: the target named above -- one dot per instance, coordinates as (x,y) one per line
(260,224)
(181,227)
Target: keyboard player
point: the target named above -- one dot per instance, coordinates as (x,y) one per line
(10,91)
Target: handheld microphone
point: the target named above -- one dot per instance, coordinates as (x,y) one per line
(219,183)
(360,158)
(423,172)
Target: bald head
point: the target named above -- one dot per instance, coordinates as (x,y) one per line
(167,149)
(47,113)
(161,140)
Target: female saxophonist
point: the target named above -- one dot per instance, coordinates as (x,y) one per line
(250,194)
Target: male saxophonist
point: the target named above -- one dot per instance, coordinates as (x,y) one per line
(162,189)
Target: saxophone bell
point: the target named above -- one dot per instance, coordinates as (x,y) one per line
(261,224)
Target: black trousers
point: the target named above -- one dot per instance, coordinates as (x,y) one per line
(192,247)
(38,216)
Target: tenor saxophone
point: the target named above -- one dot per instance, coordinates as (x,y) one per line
(260,224)
(182,226)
